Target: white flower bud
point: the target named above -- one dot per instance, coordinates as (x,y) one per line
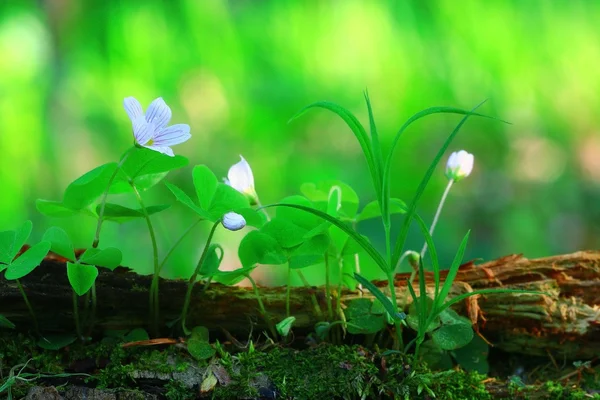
(233,221)
(240,178)
(460,165)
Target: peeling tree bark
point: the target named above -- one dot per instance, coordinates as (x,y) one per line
(566,322)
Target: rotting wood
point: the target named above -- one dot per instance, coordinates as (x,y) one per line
(565,323)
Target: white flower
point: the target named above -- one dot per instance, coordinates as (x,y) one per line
(233,221)
(460,165)
(241,179)
(150,130)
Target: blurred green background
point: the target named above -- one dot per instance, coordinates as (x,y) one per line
(236,71)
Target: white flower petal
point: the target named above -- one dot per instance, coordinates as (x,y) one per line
(459,165)
(233,221)
(240,176)
(172,135)
(133,108)
(162,149)
(142,130)
(158,113)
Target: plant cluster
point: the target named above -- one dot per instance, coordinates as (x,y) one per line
(317,227)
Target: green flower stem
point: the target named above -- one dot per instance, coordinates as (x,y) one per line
(312,296)
(328,288)
(288,291)
(154,303)
(177,243)
(262,308)
(29,307)
(261,208)
(105,195)
(76,315)
(437,214)
(192,281)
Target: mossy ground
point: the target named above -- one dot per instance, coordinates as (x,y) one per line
(319,372)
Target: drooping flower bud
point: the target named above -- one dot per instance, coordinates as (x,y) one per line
(233,221)
(460,165)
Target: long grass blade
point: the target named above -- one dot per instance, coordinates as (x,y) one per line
(425,181)
(385,301)
(452,271)
(432,254)
(376,148)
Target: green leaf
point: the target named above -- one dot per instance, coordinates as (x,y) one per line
(369,249)
(259,248)
(136,335)
(56,209)
(432,254)
(372,210)
(366,324)
(7,239)
(319,195)
(110,257)
(5,323)
(200,333)
(310,252)
(253,217)
(399,245)
(118,213)
(27,261)
(146,168)
(211,261)
(187,201)
(60,242)
(414,318)
(358,307)
(205,183)
(56,341)
(230,278)
(453,336)
(87,188)
(296,216)
(387,303)
(200,349)
(21,236)
(226,199)
(284,231)
(473,356)
(283,327)
(81,277)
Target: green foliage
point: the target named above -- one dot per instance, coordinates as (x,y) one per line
(198,345)
(259,248)
(120,214)
(284,326)
(27,261)
(109,257)
(5,323)
(213,259)
(81,277)
(136,335)
(56,341)
(60,242)
(361,318)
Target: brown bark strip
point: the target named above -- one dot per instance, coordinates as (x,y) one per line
(565,323)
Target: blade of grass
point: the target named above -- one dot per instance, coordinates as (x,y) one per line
(376,148)
(412,209)
(383,299)
(452,272)
(432,254)
(357,129)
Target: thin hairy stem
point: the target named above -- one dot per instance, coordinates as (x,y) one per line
(29,307)
(105,195)
(192,281)
(154,290)
(288,291)
(328,288)
(313,297)
(261,306)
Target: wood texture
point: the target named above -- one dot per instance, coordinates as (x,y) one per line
(564,323)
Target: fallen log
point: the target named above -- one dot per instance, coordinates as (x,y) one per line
(565,322)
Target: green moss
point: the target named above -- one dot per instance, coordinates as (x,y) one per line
(177,391)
